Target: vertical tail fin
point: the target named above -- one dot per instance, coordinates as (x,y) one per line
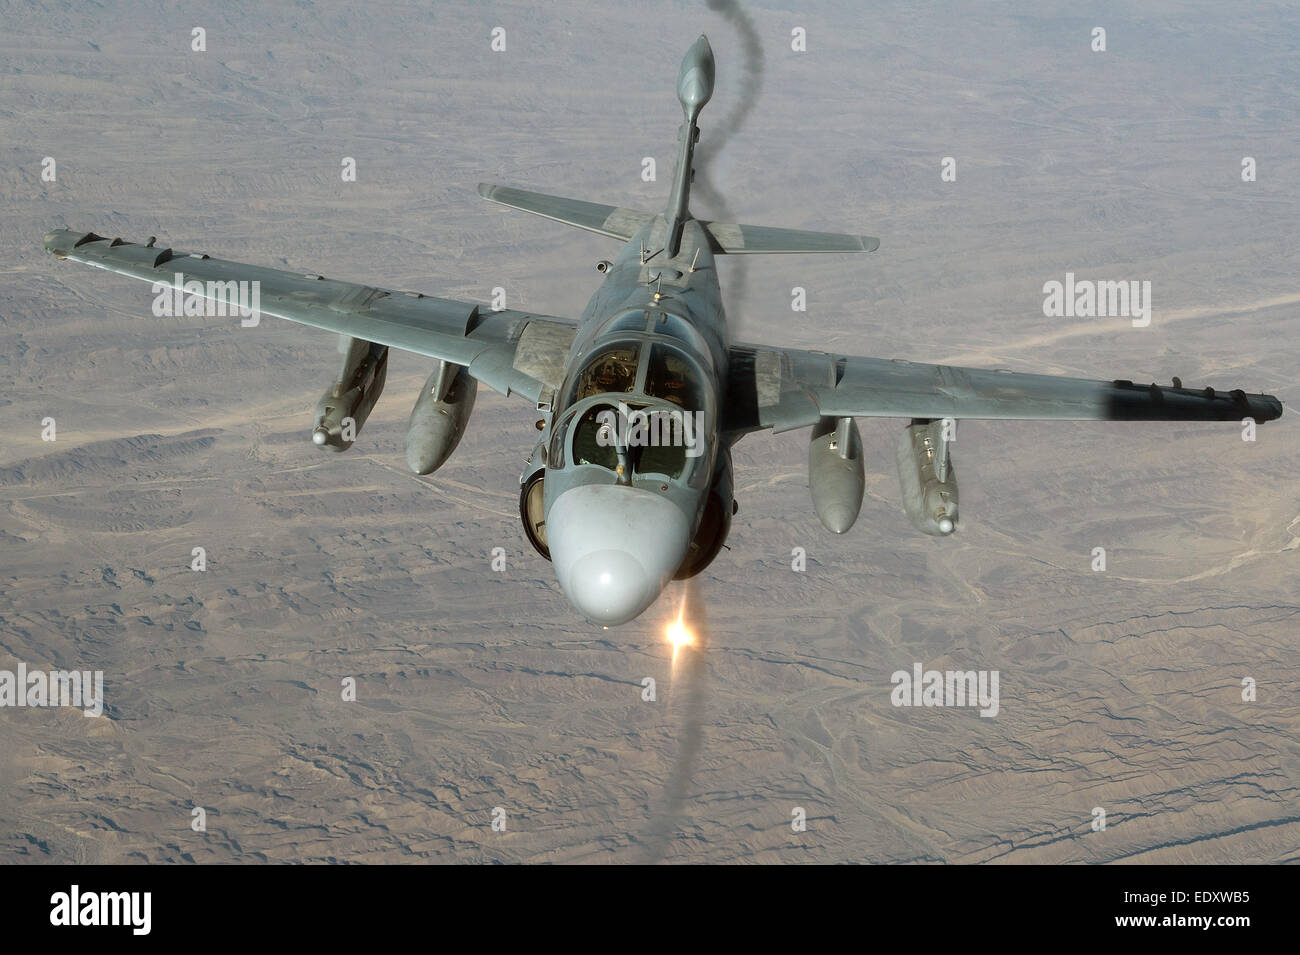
(694,88)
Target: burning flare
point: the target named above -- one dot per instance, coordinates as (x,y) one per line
(680,635)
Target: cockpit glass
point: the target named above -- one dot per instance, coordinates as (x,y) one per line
(555,457)
(611,369)
(672,377)
(653,439)
(672,326)
(666,458)
(593,443)
(658,430)
(633,321)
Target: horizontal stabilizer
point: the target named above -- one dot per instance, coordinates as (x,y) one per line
(733,239)
(612,221)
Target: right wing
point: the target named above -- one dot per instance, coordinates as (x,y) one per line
(509,351)
(787,388)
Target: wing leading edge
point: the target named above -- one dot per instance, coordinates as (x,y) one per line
(510,351)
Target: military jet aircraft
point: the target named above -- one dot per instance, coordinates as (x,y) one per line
(641,400)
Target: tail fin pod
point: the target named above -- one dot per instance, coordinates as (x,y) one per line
(694,89)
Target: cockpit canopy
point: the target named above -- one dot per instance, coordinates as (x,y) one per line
(650,439)
(653,418)
(666,374)
(612,369)
(670,375)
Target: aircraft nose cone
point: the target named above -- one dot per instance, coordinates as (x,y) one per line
(615,548)
(611,586)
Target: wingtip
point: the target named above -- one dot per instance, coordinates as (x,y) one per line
(60,241)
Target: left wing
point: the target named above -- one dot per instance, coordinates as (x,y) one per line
(510,351)
(785,388)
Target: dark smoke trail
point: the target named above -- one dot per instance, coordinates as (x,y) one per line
(751,46)
(692,672)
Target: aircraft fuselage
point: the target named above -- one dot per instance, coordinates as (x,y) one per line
(624,505)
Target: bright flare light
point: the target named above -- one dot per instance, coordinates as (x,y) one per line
(679,635)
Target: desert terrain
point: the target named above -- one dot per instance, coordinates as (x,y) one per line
(478,689)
